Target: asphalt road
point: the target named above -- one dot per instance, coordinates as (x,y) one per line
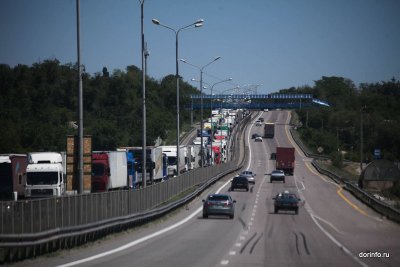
(332,227)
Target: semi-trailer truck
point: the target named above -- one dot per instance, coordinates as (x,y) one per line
(45,175)
(269,130)
(12,175)
(285,159)
(170,152)
(109,171)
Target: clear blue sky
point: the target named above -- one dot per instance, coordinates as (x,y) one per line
(276,43)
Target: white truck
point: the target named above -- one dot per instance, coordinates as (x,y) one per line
(156,163)
(45,175)
(170,152)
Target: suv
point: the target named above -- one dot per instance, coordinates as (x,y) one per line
(277,175)
(286,201)
(258,123)
(240,182)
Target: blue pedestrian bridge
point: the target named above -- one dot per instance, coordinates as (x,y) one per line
(256,101)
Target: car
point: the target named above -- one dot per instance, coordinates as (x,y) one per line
(251,177)
(273,156)
(261,119)
(254,136)
(258,123)
(239,182)
(277,175)
(258,139)
(286,201)
(219,204)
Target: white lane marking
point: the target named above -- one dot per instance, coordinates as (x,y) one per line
(296,181)
(248,140)
(232,253)
(140,240)
(225,262)
(331,237)
(242,238)
(238,244)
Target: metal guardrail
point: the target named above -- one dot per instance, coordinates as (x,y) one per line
(73,220)
(371,201)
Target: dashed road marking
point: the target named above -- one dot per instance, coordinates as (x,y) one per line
(232,253)
(224,262)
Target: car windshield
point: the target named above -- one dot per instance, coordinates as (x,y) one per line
(41,178)
(98,170)
(218,197)
(240,179)
(287,197)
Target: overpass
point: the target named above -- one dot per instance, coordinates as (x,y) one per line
(255,101)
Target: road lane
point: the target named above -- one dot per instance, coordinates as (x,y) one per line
(326,227)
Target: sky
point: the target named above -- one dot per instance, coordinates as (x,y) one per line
(264,44)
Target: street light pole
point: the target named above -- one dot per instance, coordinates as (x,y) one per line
(196,24)
(201,102)
(144,150)
(80,108)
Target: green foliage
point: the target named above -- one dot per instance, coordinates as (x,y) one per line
(39,101)
(339,126)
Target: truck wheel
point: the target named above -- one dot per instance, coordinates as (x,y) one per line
(296,211)
(275,210)
(283,180)
(205,216)
(270,180)
(231,216)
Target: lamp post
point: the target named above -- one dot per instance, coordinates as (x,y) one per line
(80,105)
(144,150)
(211,108)
(201,102)
(195,24)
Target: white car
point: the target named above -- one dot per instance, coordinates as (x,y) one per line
(258,123)
(258,139)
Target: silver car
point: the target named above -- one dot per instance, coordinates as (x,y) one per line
(219,204)
(251,176)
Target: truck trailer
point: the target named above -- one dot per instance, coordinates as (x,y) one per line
(12,175)
(285,159)
(269,130)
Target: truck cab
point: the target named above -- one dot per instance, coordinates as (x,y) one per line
(45,175)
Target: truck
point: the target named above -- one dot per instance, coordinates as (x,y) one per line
(45,175)
(12,175)
(269,130)
(156,164)
(196,155)
(170,152)
(285,159)
(109,171)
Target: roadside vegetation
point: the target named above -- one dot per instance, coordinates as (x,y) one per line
(336,130)
(39,105)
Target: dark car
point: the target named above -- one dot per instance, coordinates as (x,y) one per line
(261,119)
(286,201)
(240,182)
(277,175)
(219,204)
(254,136)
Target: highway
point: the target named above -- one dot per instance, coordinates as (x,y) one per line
(332,227)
